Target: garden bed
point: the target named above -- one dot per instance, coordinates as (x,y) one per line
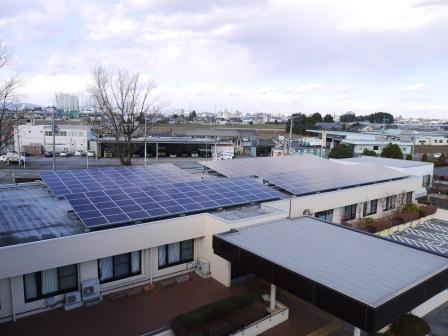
(221,318)
(409,213)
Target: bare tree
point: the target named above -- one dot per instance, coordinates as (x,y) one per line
(124,102)
(8,119)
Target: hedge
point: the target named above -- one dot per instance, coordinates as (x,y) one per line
(221,318)
(410,325)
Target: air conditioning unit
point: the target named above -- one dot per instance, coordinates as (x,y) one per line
(203,268)
(90,289)
(72,300)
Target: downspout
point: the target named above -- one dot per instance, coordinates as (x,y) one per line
(13,308)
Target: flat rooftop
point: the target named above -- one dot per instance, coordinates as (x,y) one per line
(395,163)
(369,269)
(29,213)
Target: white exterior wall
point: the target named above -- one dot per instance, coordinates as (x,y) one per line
(77,137)
(432,140)
(85,249)
(358,149)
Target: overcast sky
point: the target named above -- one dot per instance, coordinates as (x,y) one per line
(274,56)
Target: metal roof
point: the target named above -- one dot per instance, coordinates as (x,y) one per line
(395,163)
(29,213)
(369,269)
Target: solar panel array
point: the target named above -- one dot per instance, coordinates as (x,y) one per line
(110,207)
(63,182)
(431,236)
(301,175)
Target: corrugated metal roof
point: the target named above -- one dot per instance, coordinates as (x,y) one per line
(386,162)
(366,268)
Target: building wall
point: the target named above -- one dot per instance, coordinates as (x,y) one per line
(358,149)
(85,249)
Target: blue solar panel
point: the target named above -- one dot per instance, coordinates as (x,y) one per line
(117,206)
(65,182)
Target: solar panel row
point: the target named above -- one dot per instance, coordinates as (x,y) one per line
(115,206)
(74,181)
(302,175)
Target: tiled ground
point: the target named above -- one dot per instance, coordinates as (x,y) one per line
(145,312)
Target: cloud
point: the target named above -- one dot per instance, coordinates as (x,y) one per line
(413,87)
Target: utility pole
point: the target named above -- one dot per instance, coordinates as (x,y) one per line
(53,131)
(18,144)
(290,135)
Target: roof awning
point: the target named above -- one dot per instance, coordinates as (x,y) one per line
(361,278)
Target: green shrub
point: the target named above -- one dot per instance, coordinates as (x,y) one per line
(409,157)
(341,151)
(221,318)
(392,151)
(368,152)
(410,208)
(424,157)
(410,325)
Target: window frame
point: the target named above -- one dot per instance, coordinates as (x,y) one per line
(390,202)
(181,249)
(38,280)
(353,209)
(327,213)
(409,196)
(371,212)
(130,273)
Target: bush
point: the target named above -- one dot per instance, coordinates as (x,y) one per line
(424,157)
(410,325)
(392,151)
(341,152)
(221,318)
(427,210)
(409,157)
(368,152)
(410,208)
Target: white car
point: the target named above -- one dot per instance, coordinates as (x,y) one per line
(194,154)
(63,153)
(226,156)
(90,153)
(11,158)
(437,155)
(80,153)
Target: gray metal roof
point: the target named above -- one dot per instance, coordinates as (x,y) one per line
(369,269)
(29,213)
(388,162)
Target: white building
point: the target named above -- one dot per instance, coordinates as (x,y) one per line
(67,138)
(47,253)
(423,170)
(377,145)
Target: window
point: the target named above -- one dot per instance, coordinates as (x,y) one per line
(350,212)
(370,207)
(326,215)
(426,181)
(389,203)
(50,282)
(409,197)
(176,253)
(119,266)
(375,147)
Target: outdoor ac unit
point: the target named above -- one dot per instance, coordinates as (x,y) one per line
(203,268)
(72,300)
(90,289)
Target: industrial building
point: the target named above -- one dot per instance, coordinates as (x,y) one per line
(80,235)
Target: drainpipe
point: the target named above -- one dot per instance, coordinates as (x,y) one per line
(13,308)
(272,302)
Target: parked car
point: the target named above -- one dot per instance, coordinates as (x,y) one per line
(437,155)
(48,154)
(173,155)
(64,154)
(80,153)
(108,154)
(13,158)
(226,156)
(194,154)
(90,153)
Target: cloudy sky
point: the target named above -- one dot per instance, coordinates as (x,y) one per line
(274,56)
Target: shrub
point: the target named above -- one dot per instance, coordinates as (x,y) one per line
(341,152)
(368,152)
(427,210)
(221,318)
(410,325)
(392,151)
(424,157)
(410,208)
(409,157)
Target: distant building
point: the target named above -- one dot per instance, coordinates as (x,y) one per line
(67,105)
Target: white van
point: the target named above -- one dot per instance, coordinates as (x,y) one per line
(226,156)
